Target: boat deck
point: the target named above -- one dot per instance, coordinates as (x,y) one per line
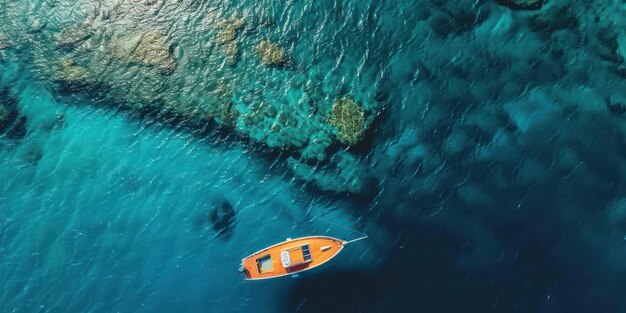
(291,256)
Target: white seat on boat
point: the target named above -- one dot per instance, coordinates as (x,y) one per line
(285,259)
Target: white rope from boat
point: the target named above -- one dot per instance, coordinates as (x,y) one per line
(364,236)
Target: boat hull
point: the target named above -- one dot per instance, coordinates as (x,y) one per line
(290,257)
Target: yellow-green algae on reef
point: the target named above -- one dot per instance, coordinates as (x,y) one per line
(226,36)
(228,29)
(270,53)
(348,117)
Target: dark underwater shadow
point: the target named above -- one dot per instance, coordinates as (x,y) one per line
(221,219)
(12,123)
(420,277)
(15,127)
(420,274)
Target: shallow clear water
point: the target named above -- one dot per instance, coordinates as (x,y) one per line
(140,159)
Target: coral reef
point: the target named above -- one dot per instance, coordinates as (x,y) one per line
(125,48)
(348,117)
(270,53)
(135,65)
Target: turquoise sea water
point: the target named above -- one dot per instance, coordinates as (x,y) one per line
(146,146)
(102,213)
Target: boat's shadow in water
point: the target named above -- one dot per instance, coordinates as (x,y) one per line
(221,219)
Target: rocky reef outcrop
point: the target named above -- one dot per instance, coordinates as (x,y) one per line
(226,37)
(270,53)
(227,29)
(150,48)
(71,73)
(72,37)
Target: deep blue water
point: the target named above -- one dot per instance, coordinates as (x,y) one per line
(136,173)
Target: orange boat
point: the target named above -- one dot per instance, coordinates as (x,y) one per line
(291,256)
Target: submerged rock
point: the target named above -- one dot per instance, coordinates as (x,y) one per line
(270,53)
(621,51)
(71,73)
(343,174)
(226,35)
(617,105)
(554,19)
(348,117)
(231,53)
(36,26)
(316,149)
(4,113)
(72,37)
(153,49)
(621,47)
(228,29)
(114,59)
(522,4)
(226,114)
(617,214)
(5,43)
(150,49)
